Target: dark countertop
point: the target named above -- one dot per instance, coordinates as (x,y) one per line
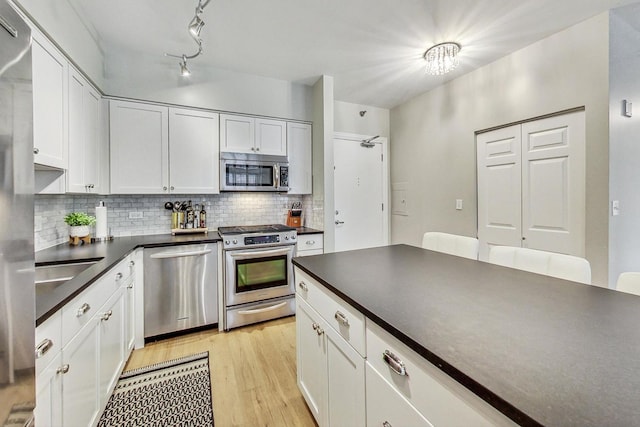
(109,254)
(543,351)
(308,230)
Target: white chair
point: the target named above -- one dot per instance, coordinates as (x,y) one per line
(563,266)
(629,282)
(451,244)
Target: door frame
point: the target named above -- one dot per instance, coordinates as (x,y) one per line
(386,217)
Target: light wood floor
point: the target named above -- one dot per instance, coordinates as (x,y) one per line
(253,372)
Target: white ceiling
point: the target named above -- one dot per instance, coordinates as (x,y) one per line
(372,48)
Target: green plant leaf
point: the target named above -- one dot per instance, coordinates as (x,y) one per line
(79,218)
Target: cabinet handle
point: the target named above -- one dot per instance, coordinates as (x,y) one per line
(253,148)
(107,315)
(132,263)
(172,188)
(36,150)
(311,242)
(130,286)
(63,369)
(303,286)
(340,317)
(339,222)
(83,309)
(386,424)
(43,348)
(317,328)
(118,276)
(164,188)
(257,148)
(394,363)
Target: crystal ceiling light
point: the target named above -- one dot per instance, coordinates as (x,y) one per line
(194,27)
(442,58)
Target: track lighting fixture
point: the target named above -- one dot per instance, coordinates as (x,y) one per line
(195,27)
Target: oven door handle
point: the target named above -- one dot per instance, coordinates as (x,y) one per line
(257,254)
(164,255)
(265,309)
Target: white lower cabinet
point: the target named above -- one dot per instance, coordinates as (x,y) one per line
(331,371)
(85,347)
(310,244)
(386,407)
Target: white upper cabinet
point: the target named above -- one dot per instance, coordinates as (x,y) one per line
(300,166)
(139,148)
(50,103)
(243,134)
(83,175)
(161,150)
(271,137)
(193,152)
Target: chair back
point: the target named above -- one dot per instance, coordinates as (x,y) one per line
(629,282)
(562,266)
(451,244)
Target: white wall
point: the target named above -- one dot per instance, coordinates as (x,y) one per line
(61,22)
(347,119)
(433,149)
(624,146)
(153,77)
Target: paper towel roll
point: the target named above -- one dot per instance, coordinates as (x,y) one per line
(101,222)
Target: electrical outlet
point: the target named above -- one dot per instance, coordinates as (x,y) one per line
(459,204)
(135,215)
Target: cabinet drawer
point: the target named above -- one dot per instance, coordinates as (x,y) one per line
(438,397)
(387,407)
(82,308)
(307,242)
(344,319)
(48,341)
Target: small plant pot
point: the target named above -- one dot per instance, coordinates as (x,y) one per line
(79,231)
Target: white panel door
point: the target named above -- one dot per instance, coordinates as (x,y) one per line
(499,189)
(553,184)
(139,148)
(237,134)
(193,152)
(271,137)
(300,161)
(358,193)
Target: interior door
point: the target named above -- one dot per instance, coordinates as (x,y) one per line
(553,184)
(499,189)
(358,193)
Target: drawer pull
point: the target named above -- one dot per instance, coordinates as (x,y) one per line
(386,424)
(340,317)
(107,315)
(118,276)
(43,347)
(63,369)
(130,286)
(317,328)
(83,309)
(303,286)
(394,363)
(263,310)
(311,242)
(132,263)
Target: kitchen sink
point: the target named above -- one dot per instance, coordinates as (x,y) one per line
(49,277)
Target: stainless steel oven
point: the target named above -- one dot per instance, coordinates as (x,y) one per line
(258,273)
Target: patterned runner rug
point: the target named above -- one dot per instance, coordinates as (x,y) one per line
(173,393)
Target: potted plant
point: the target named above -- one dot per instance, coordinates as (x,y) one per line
(79,223)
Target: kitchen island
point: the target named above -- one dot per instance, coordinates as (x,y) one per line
(542,351)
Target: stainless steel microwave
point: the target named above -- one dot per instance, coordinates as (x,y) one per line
(252,172)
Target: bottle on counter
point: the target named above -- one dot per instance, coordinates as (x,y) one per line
(203,217)
(189,216)
(196,216)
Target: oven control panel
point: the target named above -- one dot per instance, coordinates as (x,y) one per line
(257,240)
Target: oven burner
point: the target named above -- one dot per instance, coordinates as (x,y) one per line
(254,229)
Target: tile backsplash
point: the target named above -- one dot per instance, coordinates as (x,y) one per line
(224,209)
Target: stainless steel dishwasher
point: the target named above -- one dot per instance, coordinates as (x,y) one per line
(180,288)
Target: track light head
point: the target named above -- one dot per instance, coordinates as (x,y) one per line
(184,71)
(195,27)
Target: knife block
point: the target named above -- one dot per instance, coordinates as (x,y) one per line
(294,218)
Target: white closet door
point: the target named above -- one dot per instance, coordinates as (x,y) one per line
(553,184)
(499,189)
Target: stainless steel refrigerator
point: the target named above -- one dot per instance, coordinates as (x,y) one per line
(17,289)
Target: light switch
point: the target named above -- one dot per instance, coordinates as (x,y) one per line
(459,204)
(615,208)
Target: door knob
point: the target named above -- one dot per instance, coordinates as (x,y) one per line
(339,222)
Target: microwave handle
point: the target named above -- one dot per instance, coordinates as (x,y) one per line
(276,176)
